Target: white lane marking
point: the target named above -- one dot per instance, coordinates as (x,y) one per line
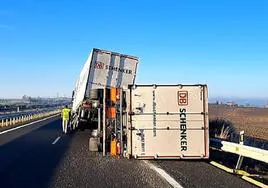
(56,140)
(164,175)
(13,129)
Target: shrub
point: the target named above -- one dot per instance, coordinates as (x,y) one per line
(221,129)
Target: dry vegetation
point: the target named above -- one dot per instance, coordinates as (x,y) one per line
(254,121)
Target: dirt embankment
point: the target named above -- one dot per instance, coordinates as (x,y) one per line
(254,121)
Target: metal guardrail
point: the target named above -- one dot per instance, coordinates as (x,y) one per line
(241,150)
(14,111)
(26,118)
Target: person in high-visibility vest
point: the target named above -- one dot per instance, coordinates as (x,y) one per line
(65,118)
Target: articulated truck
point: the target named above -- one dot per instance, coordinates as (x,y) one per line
(134,120)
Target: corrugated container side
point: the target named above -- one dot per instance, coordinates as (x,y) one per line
(81,84)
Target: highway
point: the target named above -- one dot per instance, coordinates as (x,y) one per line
(40,155)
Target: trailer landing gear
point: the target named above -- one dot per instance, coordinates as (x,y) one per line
(94,143)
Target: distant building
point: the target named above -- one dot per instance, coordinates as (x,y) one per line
(232,103)
(266,105)
(25,98)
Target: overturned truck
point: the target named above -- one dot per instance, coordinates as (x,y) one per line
(141,121)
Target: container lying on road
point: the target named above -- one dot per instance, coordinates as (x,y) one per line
(168,122)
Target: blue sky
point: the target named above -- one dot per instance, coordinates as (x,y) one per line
(44,43)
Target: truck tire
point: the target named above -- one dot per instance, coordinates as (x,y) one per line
(80,126)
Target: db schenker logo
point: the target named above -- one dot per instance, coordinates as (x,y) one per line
(99,65)
(183,98)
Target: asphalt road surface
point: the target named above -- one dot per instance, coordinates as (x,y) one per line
(40,155)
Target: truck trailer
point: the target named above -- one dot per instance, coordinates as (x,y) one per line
(104,70)
(141,121)
(168,122)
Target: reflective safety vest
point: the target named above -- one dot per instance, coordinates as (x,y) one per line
(65,113)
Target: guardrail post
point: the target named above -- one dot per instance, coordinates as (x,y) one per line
(2,123)
(240,159)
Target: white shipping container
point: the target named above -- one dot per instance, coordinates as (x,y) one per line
(168,122)
(104,69)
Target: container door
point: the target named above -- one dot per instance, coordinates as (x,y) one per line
(169,122)
(110,69)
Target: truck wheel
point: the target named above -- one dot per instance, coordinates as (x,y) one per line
(81,127)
